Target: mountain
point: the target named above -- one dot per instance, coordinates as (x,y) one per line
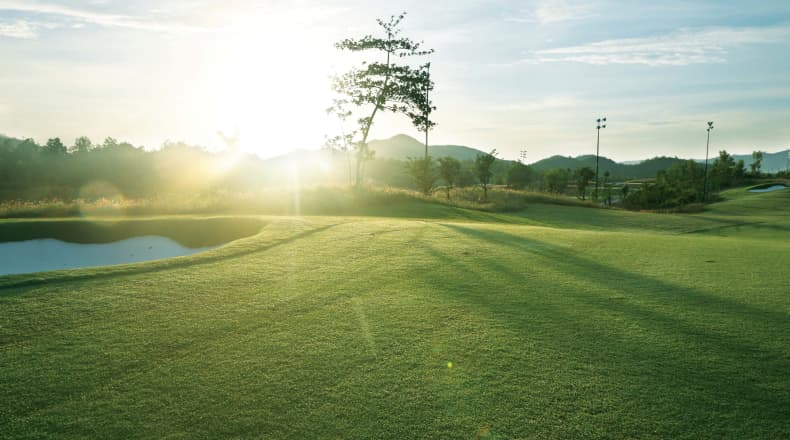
(401,147)
(642,170)
(772,162)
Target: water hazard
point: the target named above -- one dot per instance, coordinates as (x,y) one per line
(768,189)
(49,254)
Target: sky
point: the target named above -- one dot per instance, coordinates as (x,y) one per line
(511,75)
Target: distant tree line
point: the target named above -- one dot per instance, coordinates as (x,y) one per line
(29,171)
(87,170)
(683,183)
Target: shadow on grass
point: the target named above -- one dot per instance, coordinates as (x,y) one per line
(683,351)
(603,274)
(757,226)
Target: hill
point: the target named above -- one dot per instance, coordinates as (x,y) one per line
(642,170)
(401,147)
(772,162)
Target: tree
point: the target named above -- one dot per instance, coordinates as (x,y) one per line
(382,86)
(726,171)
(686,179)
(519,176)
(679,185)
(450,171)
(109,142)
(467,177)
(421,107)
(556,180)
(422,172)
(583,176)
(739,172)
(55,146)
(82,144)
(757,162)
(483,171)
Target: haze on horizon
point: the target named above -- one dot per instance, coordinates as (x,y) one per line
(509,75)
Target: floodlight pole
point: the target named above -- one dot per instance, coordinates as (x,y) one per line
(428,104)
(705,179)
(601,124)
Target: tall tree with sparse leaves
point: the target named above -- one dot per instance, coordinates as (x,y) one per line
(420,105)
(419,111)
(380,86)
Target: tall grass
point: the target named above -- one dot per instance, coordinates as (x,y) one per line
(321,200)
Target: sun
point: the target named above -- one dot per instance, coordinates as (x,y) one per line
(273,94)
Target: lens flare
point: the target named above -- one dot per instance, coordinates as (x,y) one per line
(101,198)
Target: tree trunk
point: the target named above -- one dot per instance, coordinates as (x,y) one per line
(363,147)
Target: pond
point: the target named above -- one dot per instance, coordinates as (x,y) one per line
(776,187)
(28,246)
(50,254)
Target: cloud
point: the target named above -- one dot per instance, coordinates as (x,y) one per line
(24,29)
(181,17)
(553,11)
(98,18)
(680,48)
(18,29)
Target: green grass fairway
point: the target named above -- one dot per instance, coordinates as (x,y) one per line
(554,322)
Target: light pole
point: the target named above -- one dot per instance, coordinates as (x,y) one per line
(601,124)
(705,180)
(427,105)
(522,157)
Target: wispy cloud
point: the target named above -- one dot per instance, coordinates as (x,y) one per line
(24,29)
(675,49)
(553,11)
(18,29)
(97,18)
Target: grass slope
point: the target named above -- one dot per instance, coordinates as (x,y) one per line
(537,325)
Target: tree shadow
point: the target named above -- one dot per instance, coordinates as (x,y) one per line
(659,290)
(760,226)
(721,366)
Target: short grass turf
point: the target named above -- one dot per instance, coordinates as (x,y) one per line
(331,327)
